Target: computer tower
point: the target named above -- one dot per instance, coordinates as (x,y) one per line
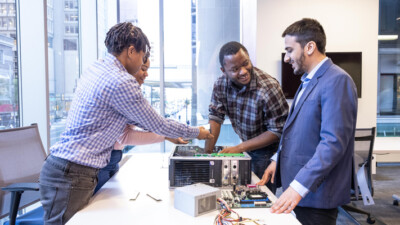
(189,165)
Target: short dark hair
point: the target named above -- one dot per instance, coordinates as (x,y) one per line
(230,48)
(307,30)
(123,35)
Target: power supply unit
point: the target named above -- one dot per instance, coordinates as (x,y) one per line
(196,199)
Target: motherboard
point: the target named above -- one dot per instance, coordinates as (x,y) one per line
(249,196)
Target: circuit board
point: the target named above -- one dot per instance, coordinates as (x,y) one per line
(250,196)
(196,151)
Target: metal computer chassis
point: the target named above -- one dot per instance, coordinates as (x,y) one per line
(189,164)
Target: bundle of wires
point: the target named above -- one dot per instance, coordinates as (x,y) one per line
(225,216)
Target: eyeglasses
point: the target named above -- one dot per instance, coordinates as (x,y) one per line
(146,57)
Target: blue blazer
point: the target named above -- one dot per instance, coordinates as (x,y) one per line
(317,143)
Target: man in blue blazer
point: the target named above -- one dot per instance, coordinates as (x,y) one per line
(314,160)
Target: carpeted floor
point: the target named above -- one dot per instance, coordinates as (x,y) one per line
(386,183)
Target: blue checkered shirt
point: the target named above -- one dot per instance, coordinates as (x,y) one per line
(253,109)
(108,98)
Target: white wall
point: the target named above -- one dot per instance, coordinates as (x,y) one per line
(349,26)
(248,25)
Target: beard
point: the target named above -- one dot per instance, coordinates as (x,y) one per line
(300,64)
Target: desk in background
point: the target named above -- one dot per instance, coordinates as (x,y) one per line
(386,149)
(148,173)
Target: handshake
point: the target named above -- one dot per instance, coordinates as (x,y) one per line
(204,134)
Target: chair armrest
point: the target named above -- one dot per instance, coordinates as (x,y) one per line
(16,187)
(16,190)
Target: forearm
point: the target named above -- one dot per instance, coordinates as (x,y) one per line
(215,130)
(262,140)
(135,137)
(134,107)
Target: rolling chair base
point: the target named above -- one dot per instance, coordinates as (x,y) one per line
(352,208)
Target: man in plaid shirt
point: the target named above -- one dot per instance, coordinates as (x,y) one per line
(255,104)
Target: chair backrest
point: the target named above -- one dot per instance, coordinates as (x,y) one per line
(21,158)
(363,149)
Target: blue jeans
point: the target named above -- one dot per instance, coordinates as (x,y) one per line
(65,188)
(260,160)
(107,172)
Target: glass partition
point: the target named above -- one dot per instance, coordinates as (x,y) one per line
(63,61)
(9,77)
(388,120)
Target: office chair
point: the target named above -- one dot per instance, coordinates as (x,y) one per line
(363,149)
(21,158)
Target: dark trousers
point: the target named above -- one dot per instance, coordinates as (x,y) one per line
(260,160)
(65,188)
(313,216)
(107,172)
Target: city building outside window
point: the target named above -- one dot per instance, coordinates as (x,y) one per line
(63,61)
(9,77)
(388,119)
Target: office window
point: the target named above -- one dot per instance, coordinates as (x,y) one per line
(193,31)
(106,18)
(71,29)
(388,119)
(71,16)
(9,77)
(50,12)
(11,23)
(70,4)
(50,27)
(63,56)
(3,9)
(70,45)
(11,9)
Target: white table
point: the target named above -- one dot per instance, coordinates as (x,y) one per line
(145,173)
(386,149)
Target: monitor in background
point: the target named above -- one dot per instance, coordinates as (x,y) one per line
(351,62)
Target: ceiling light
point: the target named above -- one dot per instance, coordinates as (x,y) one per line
(387,37)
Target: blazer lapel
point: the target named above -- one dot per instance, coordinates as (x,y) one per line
(294,99)
(294,111)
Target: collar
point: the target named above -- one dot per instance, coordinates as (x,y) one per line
(313,71)
(110,58)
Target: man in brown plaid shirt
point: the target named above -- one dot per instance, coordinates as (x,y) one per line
(255,104)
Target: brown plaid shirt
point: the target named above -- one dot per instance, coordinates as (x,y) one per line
(252,109)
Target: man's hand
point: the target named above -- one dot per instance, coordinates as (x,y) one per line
(234,149)
(286,202)
(176,140)
(269,173)
(204,134)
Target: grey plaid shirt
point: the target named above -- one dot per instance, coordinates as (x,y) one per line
(252,109)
